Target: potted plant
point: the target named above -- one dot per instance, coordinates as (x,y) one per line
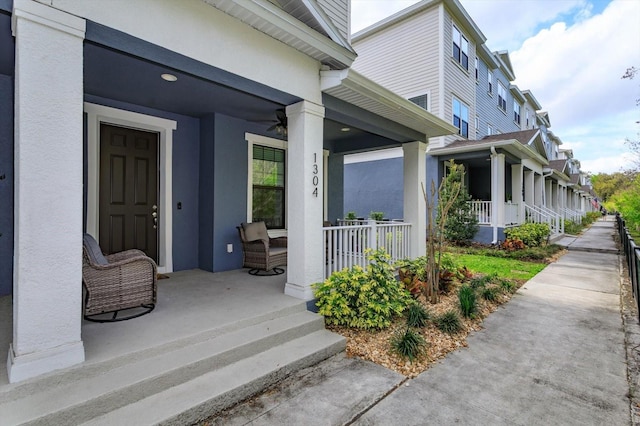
(377,216)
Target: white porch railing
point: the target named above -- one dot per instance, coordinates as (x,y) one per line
(482,210)
(540,214)
(557,225)
(572,215)
(512,214)
(345,246)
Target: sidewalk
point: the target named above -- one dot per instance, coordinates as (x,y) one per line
(555,354)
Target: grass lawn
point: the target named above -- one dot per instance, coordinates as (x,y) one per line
(504,268)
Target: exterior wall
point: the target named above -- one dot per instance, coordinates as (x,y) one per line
(6,185)
(532,117)
(200,31)
(487,104)
(404,58)
(485,235)
(335,188)
(374,186)
(339,12)
(458,82)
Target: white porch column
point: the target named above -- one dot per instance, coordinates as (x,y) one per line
(415,210)
(47,277)
(516,188)
(305,193)
(548,193)
(529,185)
(538,189)
(497,190)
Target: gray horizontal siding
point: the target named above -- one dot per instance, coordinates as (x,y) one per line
(338,12)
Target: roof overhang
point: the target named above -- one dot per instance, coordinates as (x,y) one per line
(512,146)
(349,86)
(268,18)
(557,175)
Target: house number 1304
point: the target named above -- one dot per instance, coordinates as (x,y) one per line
(315,178)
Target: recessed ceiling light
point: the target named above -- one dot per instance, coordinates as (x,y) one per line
(345,129)
(169,77)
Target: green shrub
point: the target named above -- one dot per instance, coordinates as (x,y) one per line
(531,234)
(507,286)
(408,344)
(363,299)
(461,223)
(376,215)
(417,315)
(468,301)
(481,281)
(572,228)
(350,216)
(490,293)
(449,322)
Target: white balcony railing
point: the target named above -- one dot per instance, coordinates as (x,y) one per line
(539,214)
(345,246)
(482,210)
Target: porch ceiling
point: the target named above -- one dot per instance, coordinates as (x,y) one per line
(202,90)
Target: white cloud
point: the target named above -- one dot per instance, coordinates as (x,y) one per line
(505,25)
(574,71)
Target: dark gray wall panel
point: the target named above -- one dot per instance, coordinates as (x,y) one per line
(335,198)
(374,186)
(205,215)
(6,185)
(230,188)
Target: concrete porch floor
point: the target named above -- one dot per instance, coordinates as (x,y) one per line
(190,304)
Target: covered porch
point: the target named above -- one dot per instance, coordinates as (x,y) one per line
(217,336)
(205,112)
(504,176)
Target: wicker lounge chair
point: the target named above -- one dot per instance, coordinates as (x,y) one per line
(117,282)
(261,253)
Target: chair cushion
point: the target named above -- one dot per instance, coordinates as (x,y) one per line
(93,250)
(255,231)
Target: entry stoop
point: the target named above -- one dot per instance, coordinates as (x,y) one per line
(178,383)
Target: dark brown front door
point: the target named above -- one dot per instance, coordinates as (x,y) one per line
(128,190)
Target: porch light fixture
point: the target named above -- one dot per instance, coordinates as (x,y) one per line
(169,77)
(345,129)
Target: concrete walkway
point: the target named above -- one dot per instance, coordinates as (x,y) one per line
(555,354)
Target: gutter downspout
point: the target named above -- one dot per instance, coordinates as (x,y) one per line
(494,220)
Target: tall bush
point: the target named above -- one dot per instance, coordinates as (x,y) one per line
(461,224)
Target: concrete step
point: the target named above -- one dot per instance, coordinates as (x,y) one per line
(197,399)
(73,397)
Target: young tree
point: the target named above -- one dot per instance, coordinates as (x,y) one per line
(461,224)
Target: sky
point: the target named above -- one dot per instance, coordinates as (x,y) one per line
(571,54)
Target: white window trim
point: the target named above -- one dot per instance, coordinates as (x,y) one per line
(98,114)
(253,139)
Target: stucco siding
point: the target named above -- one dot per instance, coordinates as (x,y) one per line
(202,32)
(374,186)
(404,58)
(338,12)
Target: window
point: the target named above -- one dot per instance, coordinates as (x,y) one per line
(477,67)
(461,117)
(490,81)
(460,48)
(502,97)
(421,101)
(477,123)
(516,112)
(489,130)
(268,180)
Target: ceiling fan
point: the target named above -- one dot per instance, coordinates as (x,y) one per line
(280,125)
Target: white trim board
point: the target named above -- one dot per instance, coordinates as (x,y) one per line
(381,154)
(98,114)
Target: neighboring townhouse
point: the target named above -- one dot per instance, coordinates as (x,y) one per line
(435,55)
(201,88)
